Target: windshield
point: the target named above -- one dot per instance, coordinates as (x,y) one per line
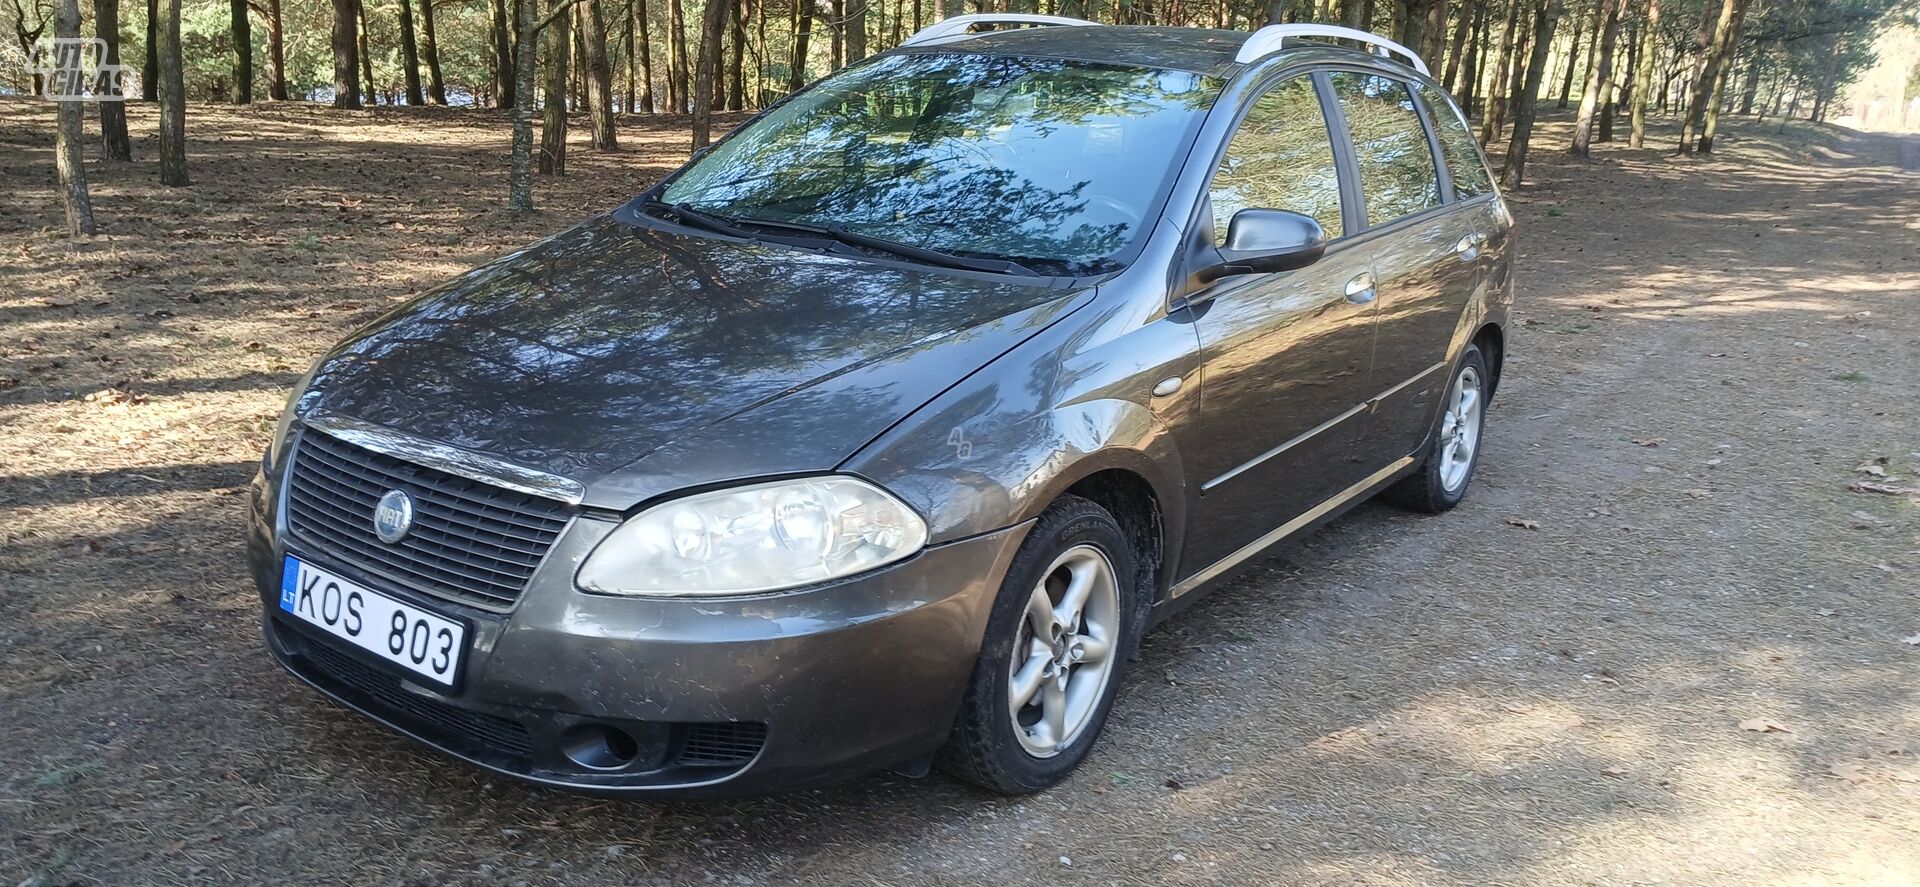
(1035,160)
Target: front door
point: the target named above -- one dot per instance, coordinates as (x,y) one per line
(1288,356)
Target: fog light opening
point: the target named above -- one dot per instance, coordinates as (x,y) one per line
(598,746)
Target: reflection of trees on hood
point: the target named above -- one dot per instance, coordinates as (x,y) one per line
(607,340)
(1032,158)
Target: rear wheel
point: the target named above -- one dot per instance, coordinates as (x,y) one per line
(1453,449)
(1048,668)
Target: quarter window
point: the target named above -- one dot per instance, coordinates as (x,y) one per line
(1397,175)
(1281,158)
(1457,145)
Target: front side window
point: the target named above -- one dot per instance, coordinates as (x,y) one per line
(1397,175)
(1280,158)
(1031,159)
(1457,145)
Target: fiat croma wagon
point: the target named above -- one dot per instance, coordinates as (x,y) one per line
(876,435)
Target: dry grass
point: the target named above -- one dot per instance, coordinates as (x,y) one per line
(1398,700)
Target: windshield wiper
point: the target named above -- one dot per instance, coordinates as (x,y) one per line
(693,217)
(903,250)
(735,226)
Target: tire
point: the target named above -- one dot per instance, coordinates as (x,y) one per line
(1442,479)
(1016,750)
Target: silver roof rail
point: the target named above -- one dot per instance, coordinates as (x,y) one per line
(961,26)
(1273,38)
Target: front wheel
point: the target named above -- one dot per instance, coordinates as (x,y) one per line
(1049,665)
(1453,449)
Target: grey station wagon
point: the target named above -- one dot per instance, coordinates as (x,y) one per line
(876,435)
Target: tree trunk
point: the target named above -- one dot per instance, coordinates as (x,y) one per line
(276,52)
(837,27)
(1573,61)
(856,31)
(646,61)
(1353,13)
(430,55)
(1610,91)
(1607,31)
(1706,89)
(1495,107)
(240,91)
(69,133)
(1434,38)
(173,99)
(1529,17)
(1470,69)
(506,75)
(346,53)
(1751,91)
(677,74)
(1725,71)
(736,59)
(524,35)
(1410,22)
(1468,13)
(626,42)
(1527,100)
(366,55)
(713,22)
(1703,38)
(577,70)
(150,71)
(557,45)
(410,54)
(599,76)
(802,33)
(1643,76)
(114,144)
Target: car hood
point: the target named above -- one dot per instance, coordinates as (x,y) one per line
(636,360)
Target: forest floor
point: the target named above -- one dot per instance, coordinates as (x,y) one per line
(1672,637)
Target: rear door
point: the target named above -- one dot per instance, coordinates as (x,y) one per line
(1288,356)
(1424,255)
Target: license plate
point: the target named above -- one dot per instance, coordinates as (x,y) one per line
(421,642)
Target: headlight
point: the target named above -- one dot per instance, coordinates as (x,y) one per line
(755,538)
(287,414)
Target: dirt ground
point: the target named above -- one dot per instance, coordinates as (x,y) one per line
(1662,642)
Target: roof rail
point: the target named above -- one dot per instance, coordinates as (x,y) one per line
(1273,38)
(961,26)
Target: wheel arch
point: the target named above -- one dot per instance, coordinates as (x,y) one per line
(1130,498)
(1492,341)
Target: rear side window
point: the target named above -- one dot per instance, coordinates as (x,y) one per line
(1457,145)
(1397,175)
(1281,158)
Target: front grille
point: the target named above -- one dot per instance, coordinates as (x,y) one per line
(499,734)
(711,745)
(471,542)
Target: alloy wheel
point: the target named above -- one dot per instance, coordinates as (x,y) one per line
(1460,429)
(1064,653)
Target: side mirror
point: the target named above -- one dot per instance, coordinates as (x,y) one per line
(1264,241)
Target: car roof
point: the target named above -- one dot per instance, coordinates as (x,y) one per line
(1200,50)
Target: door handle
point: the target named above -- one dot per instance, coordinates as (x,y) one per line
(1360,290)
(1468,247)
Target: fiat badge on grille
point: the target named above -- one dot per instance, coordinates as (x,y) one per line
(393,517)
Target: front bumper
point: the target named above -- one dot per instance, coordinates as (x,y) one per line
(717,697)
